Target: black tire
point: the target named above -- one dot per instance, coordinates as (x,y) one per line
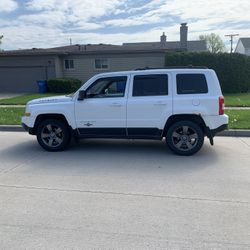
(185,138)
(53,135)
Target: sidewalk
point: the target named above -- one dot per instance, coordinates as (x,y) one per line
(238,108)
(23,106)
(9,95)
(12,106)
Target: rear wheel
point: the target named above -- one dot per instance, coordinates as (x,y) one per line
(53,135)
(185,138)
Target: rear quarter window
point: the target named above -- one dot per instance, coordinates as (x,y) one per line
(191,84)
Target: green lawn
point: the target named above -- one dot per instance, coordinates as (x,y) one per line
(237,100)
(23,99)
(11,116)
(238,119)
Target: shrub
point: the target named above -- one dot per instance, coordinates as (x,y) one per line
(233,70)
(63,85)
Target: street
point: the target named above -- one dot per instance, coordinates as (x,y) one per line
(118,194)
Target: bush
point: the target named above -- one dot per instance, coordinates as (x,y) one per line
(63,85)
(233,70)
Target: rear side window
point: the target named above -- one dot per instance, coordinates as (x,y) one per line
(150,85)
(191,84)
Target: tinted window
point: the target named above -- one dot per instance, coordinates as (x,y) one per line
(107,87)
(150,85)
(191,84)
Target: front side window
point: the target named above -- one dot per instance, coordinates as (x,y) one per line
(101,63)
(191,84)
(107,87)
(150,85)
(69,64)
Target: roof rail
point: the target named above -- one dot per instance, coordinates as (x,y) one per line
(175,67)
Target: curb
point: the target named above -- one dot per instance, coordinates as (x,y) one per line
(230,132)
(11,128)
(235,133)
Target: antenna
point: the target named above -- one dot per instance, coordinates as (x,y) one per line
(231,40)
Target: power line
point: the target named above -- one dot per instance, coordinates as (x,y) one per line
(231,40)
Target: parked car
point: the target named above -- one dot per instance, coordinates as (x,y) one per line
(181,105)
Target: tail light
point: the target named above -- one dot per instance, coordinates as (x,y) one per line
(221,105)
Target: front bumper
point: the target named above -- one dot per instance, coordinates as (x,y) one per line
(31,131)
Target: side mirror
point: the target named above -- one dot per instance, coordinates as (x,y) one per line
(81,95)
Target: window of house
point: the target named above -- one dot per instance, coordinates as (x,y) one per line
(107,87)
(150,85)
(191,84)
(101,63)
(69,64)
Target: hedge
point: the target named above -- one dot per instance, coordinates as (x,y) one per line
(233,70)
(63,85)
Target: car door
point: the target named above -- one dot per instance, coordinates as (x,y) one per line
(102,113)
(149,104)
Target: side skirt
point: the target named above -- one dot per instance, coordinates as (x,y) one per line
(120,133)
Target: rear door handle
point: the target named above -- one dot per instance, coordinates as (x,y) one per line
(160,103)
(115,104)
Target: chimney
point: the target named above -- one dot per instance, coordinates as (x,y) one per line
(163,38)
(183,36)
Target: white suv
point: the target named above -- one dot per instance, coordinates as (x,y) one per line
(180,104)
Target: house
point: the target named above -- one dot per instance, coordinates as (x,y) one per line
(243,46)
(21,69)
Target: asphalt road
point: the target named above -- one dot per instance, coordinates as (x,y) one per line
(107,194)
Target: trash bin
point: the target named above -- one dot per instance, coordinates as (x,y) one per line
(42,86)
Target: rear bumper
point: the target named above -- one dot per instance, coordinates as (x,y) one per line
(223,127)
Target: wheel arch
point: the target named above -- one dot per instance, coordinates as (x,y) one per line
(43,117)
(185,117)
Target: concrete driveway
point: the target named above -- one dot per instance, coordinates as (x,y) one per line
(119,194)
(9,95)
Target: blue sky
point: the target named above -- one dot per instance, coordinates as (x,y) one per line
(50,23)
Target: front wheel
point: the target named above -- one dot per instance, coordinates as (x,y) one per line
(185,138)
(53,135)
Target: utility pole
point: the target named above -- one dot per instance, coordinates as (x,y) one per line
(231,40)
(70,41)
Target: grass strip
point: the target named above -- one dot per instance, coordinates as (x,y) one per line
(11,116)
(238,119)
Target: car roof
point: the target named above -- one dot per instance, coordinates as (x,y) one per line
(162,70)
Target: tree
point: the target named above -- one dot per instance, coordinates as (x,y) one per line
(1,37)
(214,43)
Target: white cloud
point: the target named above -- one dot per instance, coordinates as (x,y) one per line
(79,9)
(8,5)
(48,23)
